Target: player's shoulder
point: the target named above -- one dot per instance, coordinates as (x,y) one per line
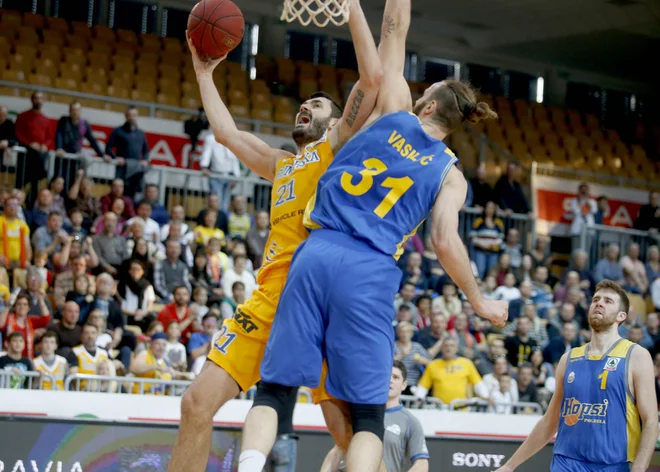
(638,355)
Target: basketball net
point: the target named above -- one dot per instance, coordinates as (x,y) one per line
(320,12)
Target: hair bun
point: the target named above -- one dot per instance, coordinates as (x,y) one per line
(479,112)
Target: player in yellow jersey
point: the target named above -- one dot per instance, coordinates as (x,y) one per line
(321,129)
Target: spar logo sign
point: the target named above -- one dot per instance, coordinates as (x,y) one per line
(32,466)
(470,459)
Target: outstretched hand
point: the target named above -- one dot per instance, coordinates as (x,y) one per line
(494,310)
(202,64)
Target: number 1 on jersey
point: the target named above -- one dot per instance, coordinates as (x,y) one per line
(603,379)
(374,166)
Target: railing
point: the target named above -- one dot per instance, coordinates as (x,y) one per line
(596,238)
(594,177)
(479,405)
(429,403)
(26,379)
(106,384)
(152,107)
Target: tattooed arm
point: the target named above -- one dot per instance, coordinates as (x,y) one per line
(362,99)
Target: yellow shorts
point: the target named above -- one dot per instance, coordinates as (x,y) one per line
(320,394)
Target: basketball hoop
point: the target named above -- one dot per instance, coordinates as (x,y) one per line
(321,12)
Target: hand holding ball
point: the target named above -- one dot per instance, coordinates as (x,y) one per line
(215,27)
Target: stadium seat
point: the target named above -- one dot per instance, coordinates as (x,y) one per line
(66,83)
(20,62)
(71,71)
(170,72)
(167,99)
(126,36)
(101,47)
(262,114)
(94,87)
(104,33)
(143,95)
(151,42)
(91,103)
(125,50)
(39,79)
(150,59)
(286,71)
(98,59)
(93,73)
(53,37)
(58,24)
(28,35)
(34,20)
(265,67)
(146,84)
(75,41)
(190,102)
(118,92)
(11,19)
(5,47)
(45,66)
(13,75)
(167,115)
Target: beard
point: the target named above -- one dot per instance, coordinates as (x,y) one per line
(310,133)
(600,324)
(419,106)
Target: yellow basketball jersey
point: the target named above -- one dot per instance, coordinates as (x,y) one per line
(295,182)
(87,363)
(154,374)
(57,371)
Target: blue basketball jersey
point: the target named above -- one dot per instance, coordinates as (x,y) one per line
(383,183)
(599,421)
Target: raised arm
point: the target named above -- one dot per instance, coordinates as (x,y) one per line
(362,99)
(394,92)
(450,249)
(546,427)
(644,390)
(252,151)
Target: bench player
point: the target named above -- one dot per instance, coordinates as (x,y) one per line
(604,410)
(321,129)
(378,190)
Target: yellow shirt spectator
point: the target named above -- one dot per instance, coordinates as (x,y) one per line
(204,233)
(10,233)
(450,376)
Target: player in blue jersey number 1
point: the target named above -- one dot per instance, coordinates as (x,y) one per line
(604,409)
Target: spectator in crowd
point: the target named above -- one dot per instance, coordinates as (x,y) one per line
(486,361)
(652,330)
(508,292)
(526,270)
(69,135)
(509,192)
(239,220)
(636,269)
(566,314)
(412,354)
(239,273)
(64,281)
(200,343)
(158,211)
(500,400)
(652,263)
(138,297)
(603,210)
(404,313)
(208,230)
(489,287)
(39,304)
(139,248)
(179,312)
(117,208)
(80,294)
(113,336)
(257,237)
(229,304)
(542,291)
(74,246)
(583,211)
(413,272)
(578,264)
(170,272)
(80,197)
(213,204)
(636,335)
(175,352)
(655,294)
(609,267)
(178,217)
(7,133)
(405,297)
(38,216)
(151,228)
(117,192)
(538,332)
(194,126)
(127,145)
(543,372)
(34,133)
(51,237)
(200,276)
(15,248)
(541,254)
(431,265)
(492,381)
(432,337)
(217,162)
(109,246)
(448,304)
(467,344)
(527,392)
(31,327)
(513,248)
(502,268)
(486,237)
(69,332)
(423,305)
(56,188)
(648,218)
(560,345)
(450,376)
(482,191)
(519,347)
(15,361)
(151,364)
(516,306)
(571,280)
(51,364)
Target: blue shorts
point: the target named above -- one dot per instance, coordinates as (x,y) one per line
(566,464)
(337,304)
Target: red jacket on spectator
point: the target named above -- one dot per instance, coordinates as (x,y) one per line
(106,205)
(34,127)
(168,315)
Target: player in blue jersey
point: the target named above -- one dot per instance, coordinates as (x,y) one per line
(338,302)
(604,409)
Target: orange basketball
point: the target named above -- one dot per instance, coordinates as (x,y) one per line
(216,27)
(571,420)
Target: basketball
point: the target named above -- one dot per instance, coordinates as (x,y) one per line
(216,27)
(571,420)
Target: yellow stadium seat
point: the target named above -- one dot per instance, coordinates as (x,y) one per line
(47,67)
(127,36)
(121,81)
(171,44)
(307,87)
(148,58)
(116,107)
(612,135)
(265,67)
(93,73)
(123,63)
(306,70)
(38,79)
(286,71)
(167,115)
(76,41)
(104,33)
(91,103)
(11,19)
(151,42)
(28,35)
(58,24)
(165,84)
(125,50)
(20,62)
(34,20)
(143,96)
(283,105)
(5,47)
(146,84)
(167,99)
(9,34)
(66,83)
(81,28)
(101,47)
(26,50)
(80,60)
(71,71)
(170,72)
(53,37)
(94,87)
(191,102)
(118,92)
